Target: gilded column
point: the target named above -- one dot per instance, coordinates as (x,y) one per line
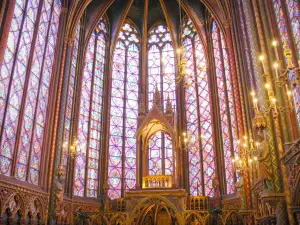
(280,184)
(56,195)
(238,106)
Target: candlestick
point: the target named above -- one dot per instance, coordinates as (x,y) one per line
(276,65)
(261,58)
(274,43)
(255,106)
(274,104)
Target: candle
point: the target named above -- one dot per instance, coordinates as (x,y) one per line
(274,43)
(274,105)
(276,65)
(261,58)
(255,105)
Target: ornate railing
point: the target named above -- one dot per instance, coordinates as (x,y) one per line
(160,181)
(200,203)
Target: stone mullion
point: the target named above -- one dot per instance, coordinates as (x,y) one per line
(69,138)
(58,118)
(143,90)
(75,108)
(104,126)
(202,185)
(90,119)
(222,153)
(217,136)
(24,96)
(123,186)
(274,153)
(3,47)
(162,107)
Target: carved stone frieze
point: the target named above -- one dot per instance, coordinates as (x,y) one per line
(29,204)
(292,160)
(231,204)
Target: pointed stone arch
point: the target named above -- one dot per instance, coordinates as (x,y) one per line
(156,200)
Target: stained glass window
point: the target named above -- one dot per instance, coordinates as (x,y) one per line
(69,106)
(293,9)
(161,160)
(24,85)
(161,74)
(226,104)
(198,113)
(90,118)
(123,112)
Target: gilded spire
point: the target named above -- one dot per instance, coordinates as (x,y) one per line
(156,97)
(169,109)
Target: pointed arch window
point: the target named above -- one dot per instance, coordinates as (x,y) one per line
(198,114)
(291,21)
(161,74)
(90,115)
(226,104)
(25,78)
(123,112)
(70,98)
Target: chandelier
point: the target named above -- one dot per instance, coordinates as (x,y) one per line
(283,76)
(247,158)
(291,72)
(184,75)
(73,148)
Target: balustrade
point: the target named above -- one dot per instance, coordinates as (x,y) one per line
(160,181)
(199,203)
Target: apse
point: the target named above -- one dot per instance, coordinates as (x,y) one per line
(149,112)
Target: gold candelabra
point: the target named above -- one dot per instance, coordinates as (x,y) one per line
(187,141)
(248,153)
(291,72)
(282,76)
(73,148)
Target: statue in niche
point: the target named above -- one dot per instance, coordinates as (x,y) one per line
(216,187)
(59,193)
(264,165)
(239,185)
(142,110)
(216,200)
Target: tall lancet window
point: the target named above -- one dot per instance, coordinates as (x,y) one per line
(198,114)
(70,98)
(226,104)
(123,112)
(90,115)
(290,21)
(161,74)
(25,79)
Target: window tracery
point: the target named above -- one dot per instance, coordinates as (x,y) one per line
(25,79)
(90,115)
(161,74)
(71,89)
(198,113)
(123,112)
(226,104)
